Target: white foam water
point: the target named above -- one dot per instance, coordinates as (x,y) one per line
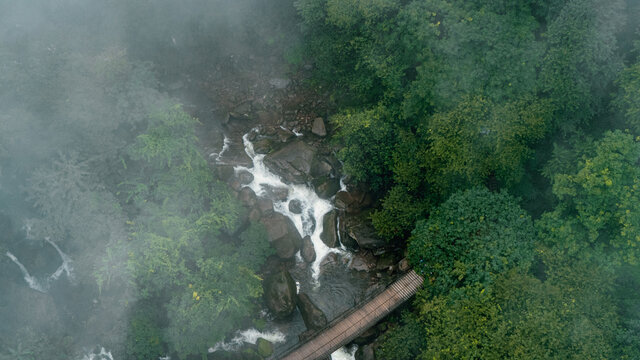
(102,355)
(44,285)
(309,221)
(248,336)
(345,353)
(225,146)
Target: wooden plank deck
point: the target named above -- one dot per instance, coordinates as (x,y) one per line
(344,330)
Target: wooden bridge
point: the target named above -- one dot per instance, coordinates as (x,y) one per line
(348,326)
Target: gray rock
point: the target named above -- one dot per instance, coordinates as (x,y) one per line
(247,197)
(283,235)
(312,316)
(331,258)
(353,201)
(292,162)
(265,206)
(307,251)
(279,83)
(363,261)
(326,186)
(403,265)
(360,229)
(263,146)
(295,206)
(245,177)
(321,167)
(318,127)
(365,353)
(280,294)
(329,235)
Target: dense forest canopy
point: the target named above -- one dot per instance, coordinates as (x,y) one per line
(500,141)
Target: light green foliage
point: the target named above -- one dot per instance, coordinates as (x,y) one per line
(520,317)
(478,138)
(628,99)
(470,239)
(172,164)
(580,62)
(201,314)
(597,212)
(368,140)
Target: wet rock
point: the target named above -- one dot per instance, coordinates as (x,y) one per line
(265,206)
(318,127)
(326,186)
(321,167)
(345,238)
(277,193)
(284,134)
(247,197)
(386,262)
(268,117)
(295,206)
(312,316)
(245,177)
(254,215)
(225,172)
(403,265)
(280,294)
(360,229)
(363,261)
(365,353)
(307,251)
(292,162)
(283,235)
(331,258)
(329,235)
(279,83)
(263,146)
(265,347)
(353,201)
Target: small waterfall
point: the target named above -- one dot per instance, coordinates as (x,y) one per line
(102,355)
(225,146)
(43,286)
(309,221)
(248,336)
(345,353)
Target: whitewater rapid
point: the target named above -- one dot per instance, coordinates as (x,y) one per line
(309,221)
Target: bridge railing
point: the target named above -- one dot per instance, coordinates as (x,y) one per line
(363,300)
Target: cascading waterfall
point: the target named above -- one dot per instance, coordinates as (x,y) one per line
(313,207)
(248,336)
(43,286)
(225,146)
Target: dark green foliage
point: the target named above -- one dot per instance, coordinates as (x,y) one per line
(404,341)
(144,340)
(470,239)
(255,247)
(398,214)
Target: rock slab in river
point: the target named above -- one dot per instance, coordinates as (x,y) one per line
(329,235)
(283,235)
(308,252)
(313,317)
(280,294)
(265,347)
(292,162)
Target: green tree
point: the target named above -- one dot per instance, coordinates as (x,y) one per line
(470,239)
(597,213)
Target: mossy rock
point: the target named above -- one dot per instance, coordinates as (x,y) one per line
(265,347)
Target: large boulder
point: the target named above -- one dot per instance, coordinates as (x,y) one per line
(313,317)
(329,235)
(282,234)
(360,229)
(295,206)
(247,197)
(353,201)
(280,294)
(365,353)
(292,162)
(265,205)
(326,186)
(308,252)
(318,127)
(265,347)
